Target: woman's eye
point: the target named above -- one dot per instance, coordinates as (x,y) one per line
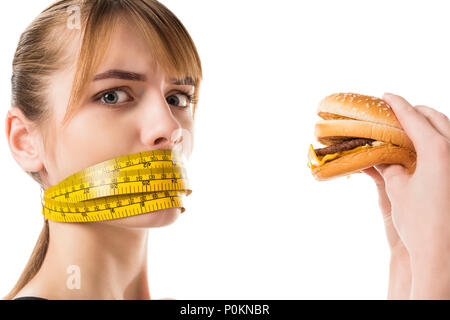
(114,96)
(179,100)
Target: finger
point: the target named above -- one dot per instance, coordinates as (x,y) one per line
(416,126)
(395,175)
(381,167)
(439,120)
(391,169)
(375,175)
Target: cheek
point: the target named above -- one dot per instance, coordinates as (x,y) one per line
(86,141)
(95,136)
(187,125)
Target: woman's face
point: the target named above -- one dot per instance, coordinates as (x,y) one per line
(146,113)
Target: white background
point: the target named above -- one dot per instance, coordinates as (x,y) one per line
(264,228)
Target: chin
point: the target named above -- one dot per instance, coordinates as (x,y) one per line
(154,219)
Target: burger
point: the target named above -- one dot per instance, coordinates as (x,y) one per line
(357,132)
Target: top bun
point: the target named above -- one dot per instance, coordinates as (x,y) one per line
(357,106)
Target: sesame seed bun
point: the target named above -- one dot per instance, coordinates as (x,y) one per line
(358,106)
(351,115)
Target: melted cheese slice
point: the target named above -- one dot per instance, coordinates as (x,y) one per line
(315,161)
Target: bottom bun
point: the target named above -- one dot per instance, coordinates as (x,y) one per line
(366,158)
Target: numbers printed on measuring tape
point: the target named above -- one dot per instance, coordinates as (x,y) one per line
(125,186)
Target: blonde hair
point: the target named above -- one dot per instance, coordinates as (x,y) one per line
(42,50)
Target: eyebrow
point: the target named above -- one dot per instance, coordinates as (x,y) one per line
(128,75)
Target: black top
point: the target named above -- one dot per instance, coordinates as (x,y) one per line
(30,298)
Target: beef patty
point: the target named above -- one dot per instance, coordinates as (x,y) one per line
(343,146)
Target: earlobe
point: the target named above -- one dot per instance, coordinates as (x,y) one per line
(22,137)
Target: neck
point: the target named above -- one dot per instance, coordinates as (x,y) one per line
(95,260)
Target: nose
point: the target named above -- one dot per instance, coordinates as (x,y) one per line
(159,128)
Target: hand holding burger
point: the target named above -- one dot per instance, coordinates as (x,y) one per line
(358,132)
(419,203)
(413,185)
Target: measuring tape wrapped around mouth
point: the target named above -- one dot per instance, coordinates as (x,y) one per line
(125,186)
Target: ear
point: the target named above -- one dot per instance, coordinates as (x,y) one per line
(23,140)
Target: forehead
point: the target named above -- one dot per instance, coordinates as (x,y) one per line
(127,51)
(130,57)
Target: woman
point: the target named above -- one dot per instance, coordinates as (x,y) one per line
(136,95)
(53,141)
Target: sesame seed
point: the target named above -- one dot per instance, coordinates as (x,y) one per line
(388,114)
(367,104)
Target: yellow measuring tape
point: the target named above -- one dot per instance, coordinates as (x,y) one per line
(125,186)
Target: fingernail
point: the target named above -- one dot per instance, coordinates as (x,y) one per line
(388,94)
